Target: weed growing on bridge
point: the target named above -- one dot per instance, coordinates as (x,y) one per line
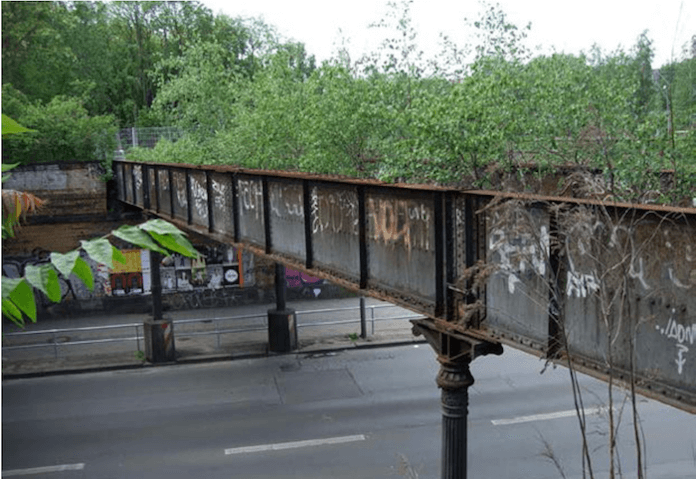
(594,273)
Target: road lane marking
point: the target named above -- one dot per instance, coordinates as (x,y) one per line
(43,470)
(294,444)
(546,417)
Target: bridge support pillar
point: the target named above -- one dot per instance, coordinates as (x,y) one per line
(455,352)
(158,332)
(282,321)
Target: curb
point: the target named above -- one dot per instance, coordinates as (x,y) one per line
(210,359)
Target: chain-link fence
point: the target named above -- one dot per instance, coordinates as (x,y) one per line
(128,138)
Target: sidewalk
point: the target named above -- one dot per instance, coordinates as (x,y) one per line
(197,341)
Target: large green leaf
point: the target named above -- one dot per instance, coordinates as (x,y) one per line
(12,312)
(71,263)
(101,251)
(137,236)
(10,127)
(177,243)
(84,272)
(23,297)
(65,262)
(8,285)
(45,279)
(160,227)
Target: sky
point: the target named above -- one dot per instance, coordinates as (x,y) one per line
(564,26)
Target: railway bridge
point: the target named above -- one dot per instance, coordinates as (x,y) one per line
(608,289)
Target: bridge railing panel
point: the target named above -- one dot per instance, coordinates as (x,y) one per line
(287,218)
(222,205)
(334,226)
(251,211)
(164,191)
(402,243)
(179,192)
(198,198)
(138,185)
(517,291)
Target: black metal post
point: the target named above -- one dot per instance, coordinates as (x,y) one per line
(455,351)
(156,285)
(158,332)
(282,322)
(454,380)
(280,287)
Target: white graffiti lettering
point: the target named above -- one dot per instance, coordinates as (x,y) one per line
(682,335)
(581,285)
(219,195)
(138,175)
(200,198)
(520,254)
(335,212)
(286,201)
(251,196)
(680,358)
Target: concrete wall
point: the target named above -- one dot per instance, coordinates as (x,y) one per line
(69,189)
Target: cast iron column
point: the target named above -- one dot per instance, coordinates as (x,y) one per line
(454,380)
(455,351)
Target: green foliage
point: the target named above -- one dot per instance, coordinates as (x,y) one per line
(61,131)
(18,300)
(248,98)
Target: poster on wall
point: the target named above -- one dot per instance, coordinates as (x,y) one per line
(216,267)
(199,276)
(127,278)
(230,275)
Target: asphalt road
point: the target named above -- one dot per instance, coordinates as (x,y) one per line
(353,414)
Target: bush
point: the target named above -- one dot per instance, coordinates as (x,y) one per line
(64,131)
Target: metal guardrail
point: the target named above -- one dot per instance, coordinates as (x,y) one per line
(218,331)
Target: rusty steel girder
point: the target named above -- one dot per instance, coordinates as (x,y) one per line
(608,288)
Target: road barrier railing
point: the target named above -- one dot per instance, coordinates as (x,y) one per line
(55,339)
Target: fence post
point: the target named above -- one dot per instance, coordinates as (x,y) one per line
(363,319)
(373,320)
(55,346)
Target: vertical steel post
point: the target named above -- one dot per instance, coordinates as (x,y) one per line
(307,210)
(209,193)
(363,319)
(280,288)
(189,199)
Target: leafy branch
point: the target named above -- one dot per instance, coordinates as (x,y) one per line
(18,299)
